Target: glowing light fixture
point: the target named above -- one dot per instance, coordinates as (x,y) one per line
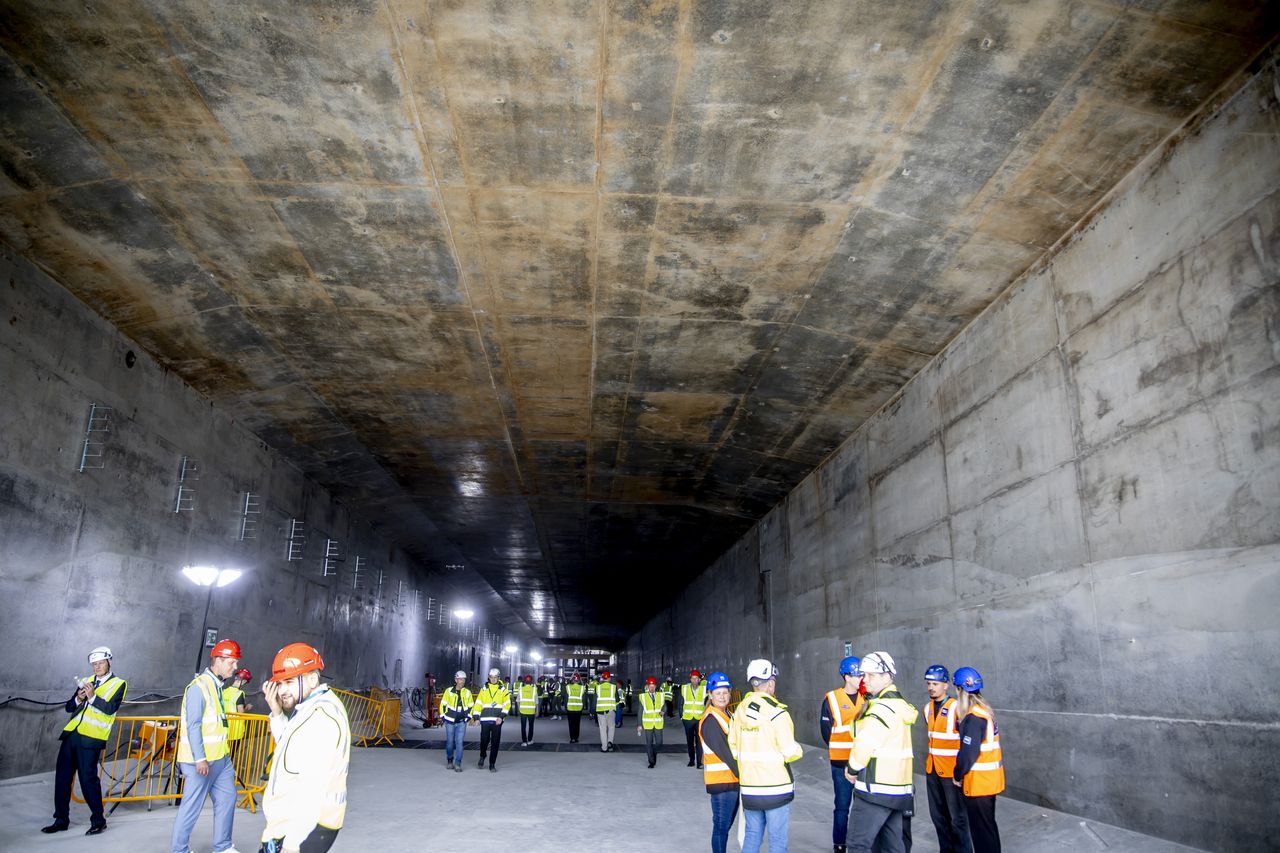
(463,613)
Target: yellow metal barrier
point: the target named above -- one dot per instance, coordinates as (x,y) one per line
(140,763)
(372,720)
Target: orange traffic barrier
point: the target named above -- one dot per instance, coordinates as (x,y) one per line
(373,721)
(139,763)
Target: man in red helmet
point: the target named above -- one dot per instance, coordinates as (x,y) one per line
(204,754)
(693,701)
(306,797)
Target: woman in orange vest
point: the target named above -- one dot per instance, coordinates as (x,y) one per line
(720,768)
(980,765)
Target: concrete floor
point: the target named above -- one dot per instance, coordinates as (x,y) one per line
(401,798)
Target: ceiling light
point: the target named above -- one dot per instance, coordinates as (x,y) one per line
(210,575)
(463,613)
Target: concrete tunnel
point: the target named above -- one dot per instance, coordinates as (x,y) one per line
(655,334)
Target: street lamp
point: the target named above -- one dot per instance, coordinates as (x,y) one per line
(211,577)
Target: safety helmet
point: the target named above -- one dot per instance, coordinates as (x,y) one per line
(243,674)
(879,662)
(968,679)
(460,674)
(528,679)
(606,674)
(716,680)
(100,653)
(494,671)
(851,666)
(937,672)
(577,677)
(695,674)
(651,680)
(761,669)
(295,659)
(225,649)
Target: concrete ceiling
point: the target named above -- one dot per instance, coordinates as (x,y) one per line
(572,292)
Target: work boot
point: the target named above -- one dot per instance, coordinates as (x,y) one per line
(699,765)
(839,848)
(458,767)
(96,830)
(690,764)
(55,827)
(480,763)
(493,770)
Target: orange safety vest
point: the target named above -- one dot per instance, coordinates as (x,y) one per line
(986,777)
(843,713)
(715,771)
(944,739)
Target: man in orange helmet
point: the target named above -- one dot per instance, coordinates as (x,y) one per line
(306,796)
(204,755)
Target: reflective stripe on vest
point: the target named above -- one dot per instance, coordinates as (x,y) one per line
(843,713)
(944,740)
(231,697)
(492,703)
(986,777)
(213,725)
(694,701)
(606,696)
(651,710)
(575,694)
(715,771)
(89,721)
(455,707)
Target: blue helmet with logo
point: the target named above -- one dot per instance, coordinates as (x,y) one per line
(851,666)
(937,672)
(968,679)
(716,680)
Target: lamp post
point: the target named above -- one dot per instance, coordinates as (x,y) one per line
(211,577)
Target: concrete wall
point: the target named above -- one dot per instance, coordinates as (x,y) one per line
(93,558)
(1081,498)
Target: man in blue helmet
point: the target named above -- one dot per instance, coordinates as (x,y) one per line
(946,805)
(839,709)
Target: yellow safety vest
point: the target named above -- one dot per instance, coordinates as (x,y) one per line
(89,721)
(528,699)
(694,701)
(455,707)
(575,694)
(651,710)
(606,696)
(231,697)
(213,725)
(288,792)
(493,702)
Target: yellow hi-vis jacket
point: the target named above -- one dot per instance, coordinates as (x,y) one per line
(231,699)
(528,695)
(574,694)
(651,709)
(493,703)
(693,701)
(455,705)
(93,719)
(881,755)
(762,738)
(213,722)
(606,696)
(308,782)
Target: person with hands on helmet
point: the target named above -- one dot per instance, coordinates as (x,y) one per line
(836,714)
(762,737)
(880,762)
(491,707)
(305,801)
(946,805)
(720,770)
(455,710)
(93,709)
(979,771)
(204,755)
(651,722)
(693,700)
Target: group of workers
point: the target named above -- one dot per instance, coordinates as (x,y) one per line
(304,802)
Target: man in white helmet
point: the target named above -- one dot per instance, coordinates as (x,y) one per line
(763,740)
(491,707)
(93,709)
(455,710)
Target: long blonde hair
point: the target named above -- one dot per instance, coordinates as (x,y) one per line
(966,701)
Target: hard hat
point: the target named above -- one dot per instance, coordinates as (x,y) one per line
(494,671)
(761,669)
(650,680)
(244,674)
(577,677)
(528,679)
(606,674)
(878,662)
(968,679)
(225,649)
(695,674)
(851,666)
(937,672)
(716,680)
(459,674)
(100,653)
(295,659)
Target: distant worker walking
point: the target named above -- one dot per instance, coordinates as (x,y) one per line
(606,703)
(693,701)
(93,711)
(492,705)
(528,697)
(720,772)
(575,695)
(455,709)
(881,761)
(305,802)
(836,714)
(651,721)
(942,726)
(980,765)
(762,737)
(233,702)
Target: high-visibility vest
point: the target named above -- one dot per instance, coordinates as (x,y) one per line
(986,776)
(715,771)
(528,699)
(231,697)
(493,702)
(843,712)
(606,696)
(944,739)
(668,691)
(213,725)
(651,710)
(291,791)
(885,763)
(89,721)
(575,693)
(455,706)
(694,700)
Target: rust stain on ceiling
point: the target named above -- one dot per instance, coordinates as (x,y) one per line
(576,291)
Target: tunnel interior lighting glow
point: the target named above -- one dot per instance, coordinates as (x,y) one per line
(512,647)
(535,655)
(210,575)
(227,576)
(463,613)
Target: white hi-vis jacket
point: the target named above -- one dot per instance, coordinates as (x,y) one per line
(308,782)
(881,755)
(762,738)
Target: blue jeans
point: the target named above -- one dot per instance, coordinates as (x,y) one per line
(724,808)
(776,821)
(453,733)
(844,798)
(220,785)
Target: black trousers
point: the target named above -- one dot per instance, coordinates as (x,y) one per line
(873,827)
(78,756)
(319,841)
(652,743)
(946,807)
(526,727)
(490,739)
(981,812)
(692,742)
(575,724)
